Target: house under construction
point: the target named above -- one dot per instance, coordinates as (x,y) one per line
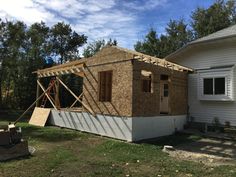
(126,95)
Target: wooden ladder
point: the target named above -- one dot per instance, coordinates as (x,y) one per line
(52,88)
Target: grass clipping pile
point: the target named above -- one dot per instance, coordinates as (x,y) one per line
(194,152)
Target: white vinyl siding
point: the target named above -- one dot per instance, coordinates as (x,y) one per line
(206,111)
(206,57)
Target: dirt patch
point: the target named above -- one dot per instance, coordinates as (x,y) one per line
(210,152)
(206,159)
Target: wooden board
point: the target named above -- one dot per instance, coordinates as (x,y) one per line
(39,116)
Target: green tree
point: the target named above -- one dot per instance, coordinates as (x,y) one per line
(14,53)
(23,50)
(2,53)
(94,47)
(219,15)
(37,49)
(231,6)
(150,44)
(177,35)
(65,42)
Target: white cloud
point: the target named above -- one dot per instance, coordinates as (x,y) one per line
(24,10)
(146,5)
(96,19)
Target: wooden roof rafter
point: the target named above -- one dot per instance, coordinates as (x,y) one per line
(75,67)
(154,60)
(161,62)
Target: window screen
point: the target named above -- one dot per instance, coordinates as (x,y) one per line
(219,86)
(208,86)
(105,85)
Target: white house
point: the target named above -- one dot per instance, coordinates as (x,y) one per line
(212,87)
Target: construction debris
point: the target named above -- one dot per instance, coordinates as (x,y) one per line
(168,148)
(11,143)
(39,116)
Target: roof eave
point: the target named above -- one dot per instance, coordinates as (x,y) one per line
(179,51)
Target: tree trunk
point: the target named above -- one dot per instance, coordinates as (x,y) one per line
(0,93)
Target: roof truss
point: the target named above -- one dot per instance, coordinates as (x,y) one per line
(161,62)
(156,61)
(63,69)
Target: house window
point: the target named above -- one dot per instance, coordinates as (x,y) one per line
(164,77)
(105,86)
(208,86)
(146,81)
(214,86)
(219,86)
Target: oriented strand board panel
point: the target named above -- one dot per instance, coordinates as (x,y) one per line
(148,104)
(39,116)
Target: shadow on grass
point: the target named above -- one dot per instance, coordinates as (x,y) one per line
(195,144)
(12,115)
(172,140)
(25,157)
(48,133)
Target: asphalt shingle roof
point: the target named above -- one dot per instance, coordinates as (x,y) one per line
(226,32)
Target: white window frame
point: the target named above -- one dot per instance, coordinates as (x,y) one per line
(226,73)
(213,78)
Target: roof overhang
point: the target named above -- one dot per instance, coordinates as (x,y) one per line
(196,43)
(220,67)
(74,67)
(155,61)
(162,62)
(77,67)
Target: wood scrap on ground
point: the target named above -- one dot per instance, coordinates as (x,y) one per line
(40,116)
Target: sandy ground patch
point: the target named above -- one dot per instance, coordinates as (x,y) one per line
(211,152)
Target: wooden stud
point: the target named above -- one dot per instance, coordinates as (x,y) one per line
(37,93)
(80,74)
(49,98)
(72,93)
(57,100)
(76,100)
(34,103)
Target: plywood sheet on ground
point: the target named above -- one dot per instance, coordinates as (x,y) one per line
(39,116)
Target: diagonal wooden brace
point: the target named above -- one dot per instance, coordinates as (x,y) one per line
(34,103)
(77,98)
(48,96)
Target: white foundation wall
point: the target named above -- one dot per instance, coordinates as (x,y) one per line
(111,126)
(157,126)
(124,128)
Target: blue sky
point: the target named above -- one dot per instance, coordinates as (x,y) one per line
(124,20)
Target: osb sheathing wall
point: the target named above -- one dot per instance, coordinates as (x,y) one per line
(148,104)
(120,64)
(179,93)
(127,96)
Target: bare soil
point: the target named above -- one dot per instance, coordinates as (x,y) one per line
(212,152)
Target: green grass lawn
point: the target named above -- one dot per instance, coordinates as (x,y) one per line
(68,153)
